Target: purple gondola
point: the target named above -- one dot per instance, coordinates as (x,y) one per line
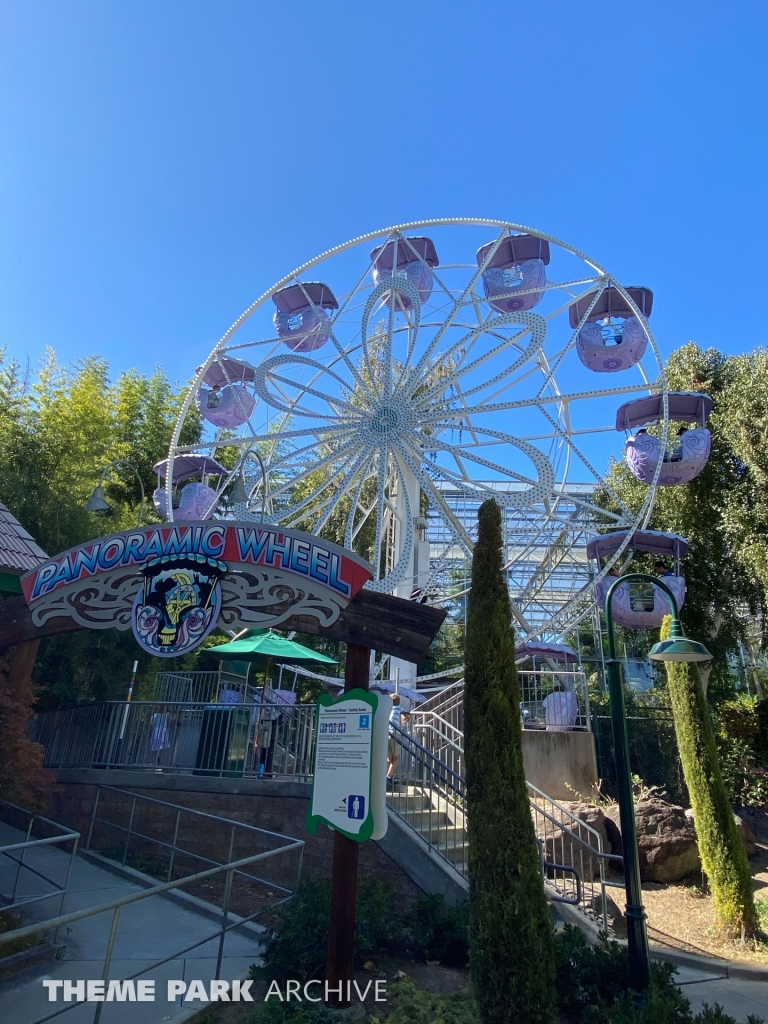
(687,450)
(415,258)
(639,605)
(196,500)
(516,274)
(544,649)
(225,401)
(302,319)
(605,346)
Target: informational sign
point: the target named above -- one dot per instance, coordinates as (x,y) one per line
(349,785)
(173,584)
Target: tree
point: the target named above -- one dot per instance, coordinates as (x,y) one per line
(722,852)
(512,953)
(58,429)
(722,512)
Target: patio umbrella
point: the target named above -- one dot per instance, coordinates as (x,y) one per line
(263,644)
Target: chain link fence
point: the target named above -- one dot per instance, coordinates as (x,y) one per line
(653,752)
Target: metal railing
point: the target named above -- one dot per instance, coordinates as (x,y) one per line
(28,873)
(574,862)
(229,871)
(429,796)
(203,688)
(554,700)
(231,740)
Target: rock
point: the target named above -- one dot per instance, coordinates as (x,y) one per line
(666,840)
(617,923)
(613,832)
(746,833)
(562,846)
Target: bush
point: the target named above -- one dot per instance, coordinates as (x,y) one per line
(297,947)
(436,931)
(9,923)
(412,1006)
(592,988)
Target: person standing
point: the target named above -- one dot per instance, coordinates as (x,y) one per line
(393,742)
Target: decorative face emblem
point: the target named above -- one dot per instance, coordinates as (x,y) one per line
(178,605)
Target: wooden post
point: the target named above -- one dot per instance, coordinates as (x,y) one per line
(341,929)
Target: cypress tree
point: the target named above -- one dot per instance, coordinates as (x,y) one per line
(722,852)
(511,950)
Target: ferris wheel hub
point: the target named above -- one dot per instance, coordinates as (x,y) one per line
(386,420)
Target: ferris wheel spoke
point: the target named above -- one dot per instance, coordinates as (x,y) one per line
(317,466)
(458,304)
(427,484)
(345,482)
(381,485)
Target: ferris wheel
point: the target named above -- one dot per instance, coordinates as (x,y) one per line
(380,392)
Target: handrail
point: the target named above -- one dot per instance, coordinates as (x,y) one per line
(230,868)
(66,835)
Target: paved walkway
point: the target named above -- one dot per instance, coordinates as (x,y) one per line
(149,930)
(736,995)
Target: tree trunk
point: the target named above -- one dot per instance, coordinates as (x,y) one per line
(720,846)
(511,951)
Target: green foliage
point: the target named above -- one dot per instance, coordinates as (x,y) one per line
(592,988)
(9,923)
(722,851)
(275,1012)
(723,512)
(439,932)
(59,428)
(511,957)
(412,1006)
(297,947)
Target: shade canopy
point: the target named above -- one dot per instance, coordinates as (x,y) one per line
(226,370)
(258,645)
(611,303)
(653,541)
(308,293)
(408,250)
(514,250)
(541,649)
(187,466)
(684,407)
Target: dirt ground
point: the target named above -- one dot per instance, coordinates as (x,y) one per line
(680,916)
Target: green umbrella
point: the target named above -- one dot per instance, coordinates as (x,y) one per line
(263,644)
(260,644)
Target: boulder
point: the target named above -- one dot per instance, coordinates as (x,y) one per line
(666,840)
(571,845)
(617,923)
(746,833)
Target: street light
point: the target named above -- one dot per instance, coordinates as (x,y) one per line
(97,501)
(677,648)
(238,495)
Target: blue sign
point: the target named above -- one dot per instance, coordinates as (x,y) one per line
(356,807)
(365,721)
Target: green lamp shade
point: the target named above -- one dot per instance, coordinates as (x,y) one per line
(679,649)
(237,495)
(96,502)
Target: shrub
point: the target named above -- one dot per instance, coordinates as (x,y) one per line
(511,958)
(412,1006)
(299,946)
(722,851)
(592,988)
(436,931)
(9,923)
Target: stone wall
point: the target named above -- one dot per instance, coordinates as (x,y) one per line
(275,805)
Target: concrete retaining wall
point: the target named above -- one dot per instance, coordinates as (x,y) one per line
(560,764)
(276,805)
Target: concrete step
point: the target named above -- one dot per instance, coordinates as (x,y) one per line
(424,819)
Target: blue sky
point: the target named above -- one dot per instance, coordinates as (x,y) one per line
(162,164)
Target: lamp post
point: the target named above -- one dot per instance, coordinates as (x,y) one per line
(239,495)
(98,503)
(677,648)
